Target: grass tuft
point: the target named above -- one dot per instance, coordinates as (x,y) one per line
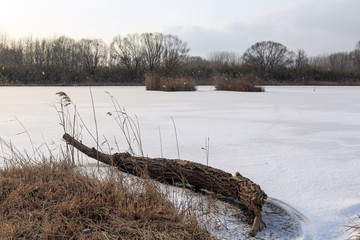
(54,200)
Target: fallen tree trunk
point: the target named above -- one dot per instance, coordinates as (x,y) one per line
(181,171)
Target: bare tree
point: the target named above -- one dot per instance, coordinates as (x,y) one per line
(356,56)
(4,46)
(153,48)
(320,62)
(65,51)
(340,61)
(128,52)
(16,55)
(175,53)
(301,59)
(93,52)
(267,56)
(41,52)
(301,62)
(3,41)
(224,57)
(11,52)
(195,60)
(28,51)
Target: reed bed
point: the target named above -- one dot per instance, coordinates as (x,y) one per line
(154,81)
(241,83)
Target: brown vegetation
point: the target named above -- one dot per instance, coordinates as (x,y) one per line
(53,200)
(242,83)
(154,81)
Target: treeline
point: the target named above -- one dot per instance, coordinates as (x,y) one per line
(273,63)
(65,61)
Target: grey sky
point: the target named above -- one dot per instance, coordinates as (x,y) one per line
(317,26)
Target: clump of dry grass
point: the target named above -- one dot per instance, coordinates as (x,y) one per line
(242,83)
(354,230)
(154,81)
(53,200)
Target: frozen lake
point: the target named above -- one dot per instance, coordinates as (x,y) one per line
(300,144)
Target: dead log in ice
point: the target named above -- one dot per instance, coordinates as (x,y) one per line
(172,171)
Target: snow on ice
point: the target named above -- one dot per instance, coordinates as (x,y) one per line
(301,146)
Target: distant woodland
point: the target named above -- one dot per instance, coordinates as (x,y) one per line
(65,61)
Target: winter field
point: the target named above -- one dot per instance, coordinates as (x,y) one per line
(300,144)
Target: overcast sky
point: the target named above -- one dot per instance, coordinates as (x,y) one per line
(317,26)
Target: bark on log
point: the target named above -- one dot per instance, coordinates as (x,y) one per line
(181,171)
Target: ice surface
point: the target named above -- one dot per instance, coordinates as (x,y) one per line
(300,144)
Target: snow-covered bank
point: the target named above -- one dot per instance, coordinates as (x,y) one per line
(300,144)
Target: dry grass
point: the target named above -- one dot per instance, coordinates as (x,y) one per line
(354,230)
(53,200)
(154,81)
(242,83)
